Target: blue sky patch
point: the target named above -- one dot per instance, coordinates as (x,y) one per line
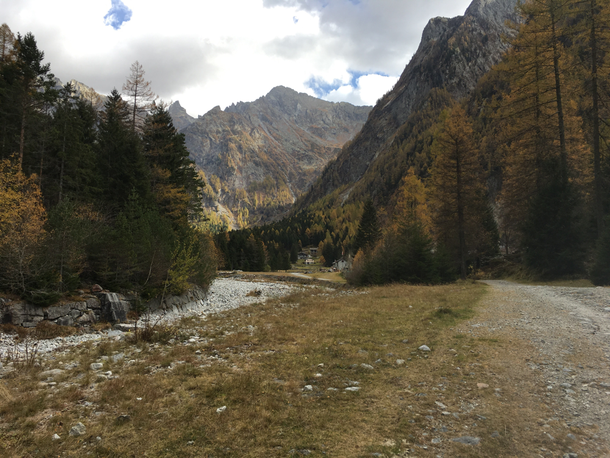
(118,14)
(322,87)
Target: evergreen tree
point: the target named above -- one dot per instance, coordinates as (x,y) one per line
(552,239)
(28,88)
(71,170)
(176,185)
(121,165)
(368,229)
(600,271)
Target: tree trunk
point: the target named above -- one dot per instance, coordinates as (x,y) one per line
(22,140)
(460,212)
(597,168)
(563,154)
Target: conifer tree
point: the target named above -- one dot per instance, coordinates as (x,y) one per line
(121,165)
(7,43)
(176,185)
(368,229)
(72,162)
(591,46)
(600,271)
(31,86)
(456,189)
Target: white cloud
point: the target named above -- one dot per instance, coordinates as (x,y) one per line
(210,53)
(367,91)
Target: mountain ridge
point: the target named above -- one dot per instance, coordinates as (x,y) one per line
(258,157)
(453,55)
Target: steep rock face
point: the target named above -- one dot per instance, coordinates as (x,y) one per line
(180,117)
(453,54)
(259,156)
(89,94)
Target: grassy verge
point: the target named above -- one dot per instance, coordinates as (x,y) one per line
(317,373)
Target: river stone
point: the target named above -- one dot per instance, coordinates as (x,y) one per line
(51,373)
(468,440)
(78,430)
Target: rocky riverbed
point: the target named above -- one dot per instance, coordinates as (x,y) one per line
(224,294)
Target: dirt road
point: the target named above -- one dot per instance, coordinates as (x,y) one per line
(558,358)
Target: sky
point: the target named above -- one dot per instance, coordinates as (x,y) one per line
(209,53)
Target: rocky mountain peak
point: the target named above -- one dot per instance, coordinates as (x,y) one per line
(259,156)
(180,117)
(434,29)
(494,11)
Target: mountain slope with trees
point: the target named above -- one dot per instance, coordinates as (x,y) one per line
(453,56)
(259,157)
(519,161)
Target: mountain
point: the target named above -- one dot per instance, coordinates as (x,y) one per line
(180,117)
(258,157)
(451,59)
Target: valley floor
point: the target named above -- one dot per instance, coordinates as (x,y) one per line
(463,370)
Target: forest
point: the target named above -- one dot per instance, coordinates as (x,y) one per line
(517,172)
(517,175)
(93,194)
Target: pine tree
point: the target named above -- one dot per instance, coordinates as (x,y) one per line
(7,43)
(600,271)
(368,229)
(176,185)
(121,165)
(71,161)
(31,86)
(591,47)
(552,239)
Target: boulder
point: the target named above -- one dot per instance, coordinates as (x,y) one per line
(57,311)
(93,303)
(113,307)
(86,318)
(78,430)
(65,321)
(96,289)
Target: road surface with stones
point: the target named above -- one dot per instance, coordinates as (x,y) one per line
(567,330)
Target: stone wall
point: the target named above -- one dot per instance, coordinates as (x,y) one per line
(102,306)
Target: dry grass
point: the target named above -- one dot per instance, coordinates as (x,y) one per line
(257,360)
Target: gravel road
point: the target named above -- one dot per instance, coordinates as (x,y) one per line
(567,331)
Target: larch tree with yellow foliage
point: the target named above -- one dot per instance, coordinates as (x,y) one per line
(461,217)
(22,219)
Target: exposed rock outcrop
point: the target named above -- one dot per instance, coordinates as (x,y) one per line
(261,155)
(180,117)
(453,54)
(101,306)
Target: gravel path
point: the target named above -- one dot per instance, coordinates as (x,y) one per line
(568,335)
